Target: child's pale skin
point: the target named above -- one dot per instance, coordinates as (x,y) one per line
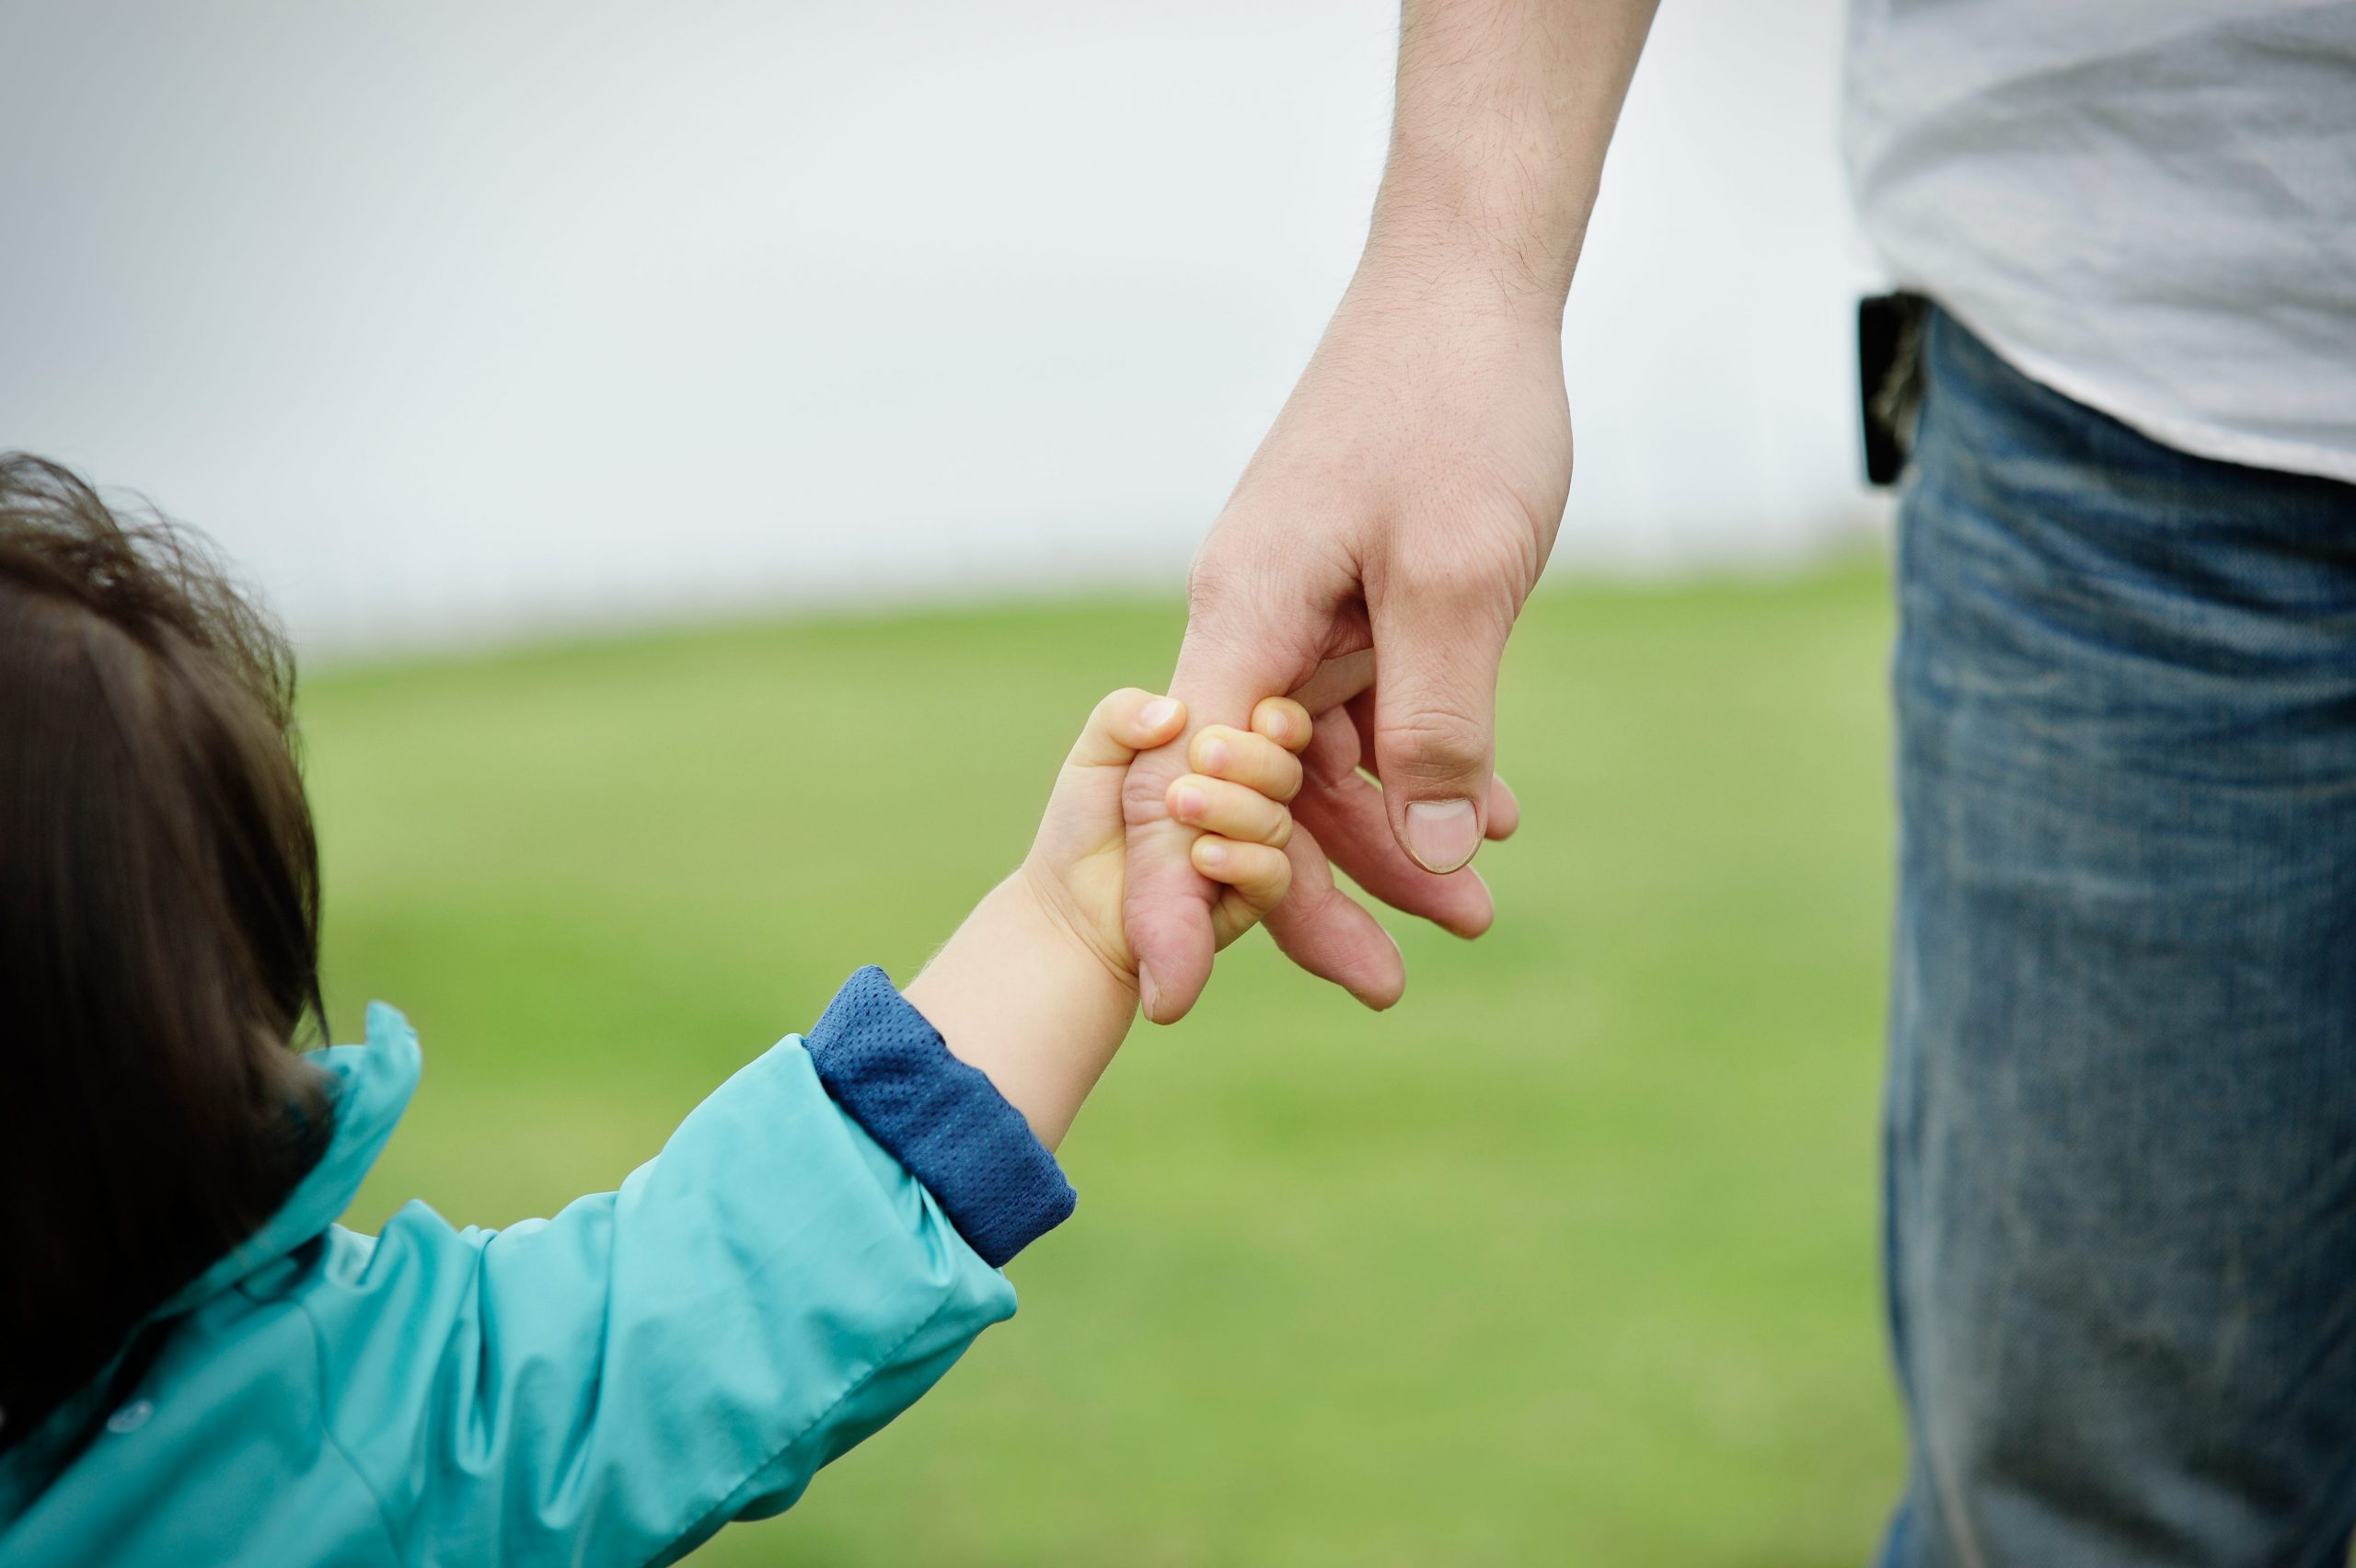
(1038,987)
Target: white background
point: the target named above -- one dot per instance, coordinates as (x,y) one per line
(453,320)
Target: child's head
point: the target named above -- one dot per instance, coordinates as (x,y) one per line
(159,928)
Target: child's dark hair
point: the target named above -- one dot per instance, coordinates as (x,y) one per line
(158,929)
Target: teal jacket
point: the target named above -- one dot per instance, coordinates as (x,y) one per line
(610,1386)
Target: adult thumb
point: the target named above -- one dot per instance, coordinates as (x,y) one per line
(1435,719)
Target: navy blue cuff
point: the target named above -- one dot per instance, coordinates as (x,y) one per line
(942,1119)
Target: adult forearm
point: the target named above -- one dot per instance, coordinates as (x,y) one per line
(1409,491)
(1504,110)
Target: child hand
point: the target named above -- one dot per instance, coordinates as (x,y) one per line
(1038,987)
(1236,796)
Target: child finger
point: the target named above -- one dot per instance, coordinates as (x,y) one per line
(1229,810)
(1260,874)
(1125,723)
(1282,721)
(1254,761)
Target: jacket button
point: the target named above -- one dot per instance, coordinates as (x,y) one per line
(131,1417)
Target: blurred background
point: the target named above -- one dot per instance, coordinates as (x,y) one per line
(454,319)
(624,404)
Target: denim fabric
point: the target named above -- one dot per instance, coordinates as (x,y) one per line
(2121,1120)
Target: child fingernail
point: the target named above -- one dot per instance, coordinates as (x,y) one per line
(1158,712)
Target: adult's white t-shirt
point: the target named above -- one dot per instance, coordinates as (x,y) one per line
(2149,205)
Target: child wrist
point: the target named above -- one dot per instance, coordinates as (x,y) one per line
(1049,902)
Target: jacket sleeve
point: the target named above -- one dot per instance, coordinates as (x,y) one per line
(615,1384)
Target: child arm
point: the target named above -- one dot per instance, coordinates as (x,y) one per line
(615,1383)
(816,1245)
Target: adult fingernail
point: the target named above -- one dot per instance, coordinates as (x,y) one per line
(1442,834)
(1187,804)
(1213,755)
(1158,712)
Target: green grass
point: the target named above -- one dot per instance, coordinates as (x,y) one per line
(1567,1259)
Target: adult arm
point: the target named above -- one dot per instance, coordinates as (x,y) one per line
(1407,495)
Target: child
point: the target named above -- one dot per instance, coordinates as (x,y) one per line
(198,1366)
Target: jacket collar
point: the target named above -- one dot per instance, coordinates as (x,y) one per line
(371,1085)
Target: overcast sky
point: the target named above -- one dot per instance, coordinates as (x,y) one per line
(450,318)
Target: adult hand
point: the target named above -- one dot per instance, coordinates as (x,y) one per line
(1404,504)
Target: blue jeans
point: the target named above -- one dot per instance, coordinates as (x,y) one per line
(2121,1121)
